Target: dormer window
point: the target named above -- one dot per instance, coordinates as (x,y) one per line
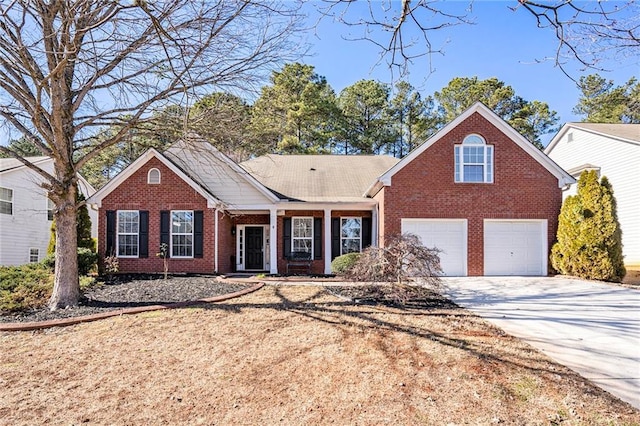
(473,160)
(153,177)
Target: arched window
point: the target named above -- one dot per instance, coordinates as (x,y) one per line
(473,160)
(153,177)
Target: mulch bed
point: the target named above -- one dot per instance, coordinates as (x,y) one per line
(133,291)
(410,296)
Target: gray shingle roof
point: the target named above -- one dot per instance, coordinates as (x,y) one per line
(625,131)
(12,163)
(319,178)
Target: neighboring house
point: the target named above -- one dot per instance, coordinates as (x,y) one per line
(26,212)
(613,150)
(477,190)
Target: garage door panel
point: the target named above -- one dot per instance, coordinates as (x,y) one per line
(449,236)
(515,247)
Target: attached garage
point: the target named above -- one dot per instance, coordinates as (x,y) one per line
(448,235)
(515,247)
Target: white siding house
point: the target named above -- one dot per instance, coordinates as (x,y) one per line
(25,215)
(613,150)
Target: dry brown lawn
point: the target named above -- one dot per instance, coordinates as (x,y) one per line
(291,355)
(633,275)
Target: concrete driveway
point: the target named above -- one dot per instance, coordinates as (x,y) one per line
(590,327)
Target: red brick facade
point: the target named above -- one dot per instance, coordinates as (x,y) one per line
(172,193)
(425,188)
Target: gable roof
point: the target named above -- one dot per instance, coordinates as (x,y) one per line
(319,178)
(203,162)
(7,164)
(563,177)
(10,164)
(97,198)
(629,133)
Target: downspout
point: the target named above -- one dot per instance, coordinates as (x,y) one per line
(215,243)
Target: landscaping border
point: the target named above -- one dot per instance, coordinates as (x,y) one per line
(29,326)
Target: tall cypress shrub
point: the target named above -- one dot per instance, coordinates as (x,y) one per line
(589,239)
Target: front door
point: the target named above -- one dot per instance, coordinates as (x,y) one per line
(254,247)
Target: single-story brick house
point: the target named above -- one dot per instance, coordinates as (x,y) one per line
(477,190)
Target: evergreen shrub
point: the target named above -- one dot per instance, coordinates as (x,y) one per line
(342,264)
(589,238)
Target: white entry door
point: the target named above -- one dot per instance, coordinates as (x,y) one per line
(515,247)
(448,235)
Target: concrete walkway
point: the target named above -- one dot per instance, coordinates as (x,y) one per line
(592,328)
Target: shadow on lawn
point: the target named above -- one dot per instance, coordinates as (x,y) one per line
(374,317)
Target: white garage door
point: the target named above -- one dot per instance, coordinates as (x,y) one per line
(515,247)
(449,235)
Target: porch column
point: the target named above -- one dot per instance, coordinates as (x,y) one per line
(327,241)
(374,227)
(273,241)
(215,242)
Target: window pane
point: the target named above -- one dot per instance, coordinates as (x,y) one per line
(473,173)
(302,227)
(489,164)
(6,207)
(50,208)
(127,245)
(182,246)
(182,222)
(473,140)
(456,155)
(128,222)
(350,245)
(351,227)
(6,201)
(302,245)
(6,194)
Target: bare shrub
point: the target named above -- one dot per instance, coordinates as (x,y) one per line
(404,258)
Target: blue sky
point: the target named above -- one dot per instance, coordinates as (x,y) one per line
(502,43)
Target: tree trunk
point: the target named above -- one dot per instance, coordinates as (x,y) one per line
(66,287)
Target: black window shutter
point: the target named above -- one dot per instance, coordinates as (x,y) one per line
(286,237)
(143,235)
(165,230)
(198,234)
(317,238)
(335,237)
(366,232)
(110,249)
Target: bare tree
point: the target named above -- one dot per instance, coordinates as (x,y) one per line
(587,31)
(71,67)
(402,257)
(391,26)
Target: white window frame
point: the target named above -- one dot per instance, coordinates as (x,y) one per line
(293,233)
(34,252)
(50,209)
(342,237)
(473,141)
(9,200)
(118,234)
(152,181)
(172,233)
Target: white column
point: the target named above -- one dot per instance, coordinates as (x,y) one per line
(327,241)
(215,243)
(273,241)
(374,227)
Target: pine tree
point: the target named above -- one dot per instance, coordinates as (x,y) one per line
(589,237)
